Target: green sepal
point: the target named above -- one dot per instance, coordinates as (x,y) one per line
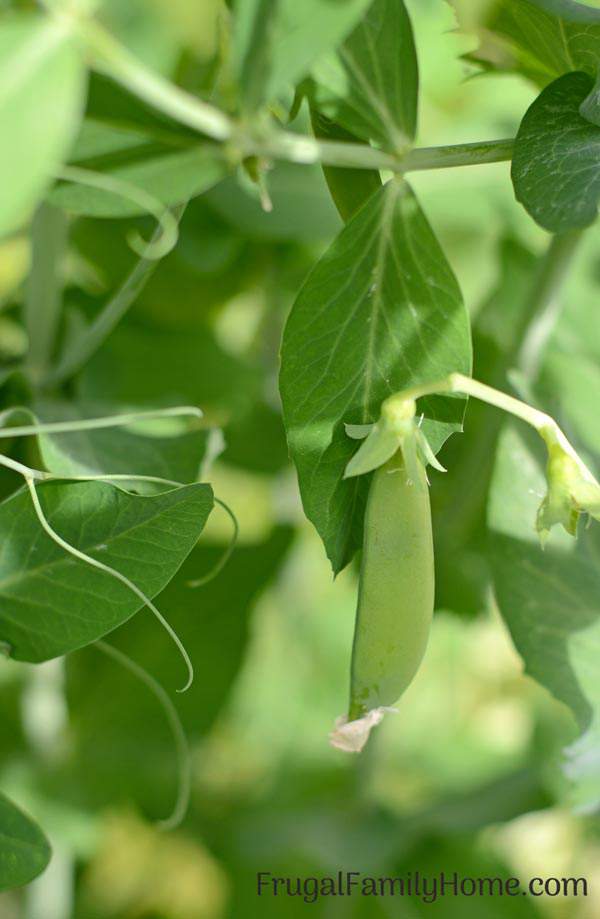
(572,490)
(397,429)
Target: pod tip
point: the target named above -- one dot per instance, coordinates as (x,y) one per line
(351,736)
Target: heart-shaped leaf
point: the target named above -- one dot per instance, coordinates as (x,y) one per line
(555,167)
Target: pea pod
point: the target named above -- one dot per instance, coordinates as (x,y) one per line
(396,590)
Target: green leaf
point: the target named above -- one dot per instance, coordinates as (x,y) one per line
(349,188)
(381,311)
(555,163)
(370,84)
(543,46)
(177,456)
(24,850)
(170,174)
(142,365)
(52,603)
(550,600)
(574,381)
(297,33)
(252,47)
(42,80)
(569,10)
(458,500)
(301,205)
(125,751)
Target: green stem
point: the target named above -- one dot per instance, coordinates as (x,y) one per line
(544,424)
(486,151)
(191,111)
(458,383)
(82,348)
(545,302)
(144,83)
(43,299)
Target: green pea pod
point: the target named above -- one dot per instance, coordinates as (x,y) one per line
(395,599)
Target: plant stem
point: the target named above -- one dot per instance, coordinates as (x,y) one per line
(475,154)
(544,424)
(158,92)
(191,111)
(43,299)
(83,347)
(545,302)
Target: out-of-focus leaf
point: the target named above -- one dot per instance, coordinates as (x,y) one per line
(302,209)
(116,450)
(256,441)
(540,45)
(24,850)
(370,84)
(555,162)
(550,601)
(381,311)
(569,10)
(140,365)
(42,78)
(573,380)
(276,41)
(208,265)
(126,751)
(458,499)
(169,174)
(51,602)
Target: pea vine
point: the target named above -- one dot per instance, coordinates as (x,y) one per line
(377,346)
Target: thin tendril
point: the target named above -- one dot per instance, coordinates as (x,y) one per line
(212,574)
(138,196)
(184,771)
(88,424)
(118,477)
(94,563)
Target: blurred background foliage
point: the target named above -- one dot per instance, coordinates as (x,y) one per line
(465,777)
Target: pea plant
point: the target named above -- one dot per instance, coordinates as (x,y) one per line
(381,361)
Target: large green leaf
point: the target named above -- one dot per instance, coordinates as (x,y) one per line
(381,311)
(555,162)
(24,850)
(550,601)
(294,33)
(41,95)
(370,84)
(52,603)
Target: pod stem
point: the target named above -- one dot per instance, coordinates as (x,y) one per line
(540,421)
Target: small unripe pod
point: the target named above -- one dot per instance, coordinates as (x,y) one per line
(396,589)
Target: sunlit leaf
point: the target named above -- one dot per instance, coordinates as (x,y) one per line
(381,311)
(41,95)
